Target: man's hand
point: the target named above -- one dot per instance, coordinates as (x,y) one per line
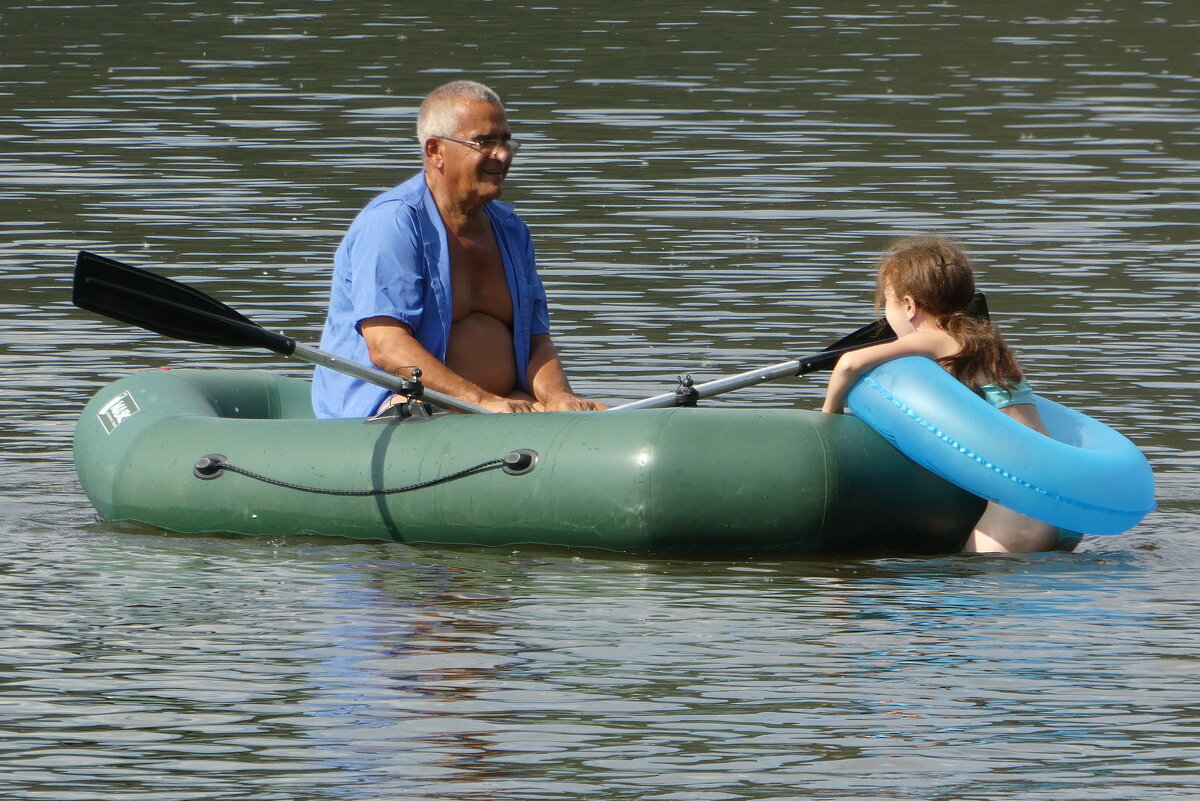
(509,406)
(568,403)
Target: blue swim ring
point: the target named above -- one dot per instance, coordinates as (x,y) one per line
(1085,476)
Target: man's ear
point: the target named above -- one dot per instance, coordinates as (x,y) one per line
(432,150)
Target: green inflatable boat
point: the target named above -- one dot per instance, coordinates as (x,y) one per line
(206,451)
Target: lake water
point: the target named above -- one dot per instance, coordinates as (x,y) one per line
(708,186)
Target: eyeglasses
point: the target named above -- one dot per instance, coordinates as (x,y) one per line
(488,146)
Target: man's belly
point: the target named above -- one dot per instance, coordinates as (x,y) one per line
(481,351)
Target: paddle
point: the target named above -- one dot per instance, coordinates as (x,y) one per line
(872,333)
(167,307)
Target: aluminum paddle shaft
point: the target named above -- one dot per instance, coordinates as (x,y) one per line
(378,378)
(796,367)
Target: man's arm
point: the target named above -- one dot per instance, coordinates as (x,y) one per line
(395,350)
(548,381)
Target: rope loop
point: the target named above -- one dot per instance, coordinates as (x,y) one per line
(211,466)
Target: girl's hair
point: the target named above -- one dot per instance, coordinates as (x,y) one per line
(442,109)
(936,273)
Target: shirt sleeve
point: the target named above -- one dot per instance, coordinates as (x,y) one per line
(386,277)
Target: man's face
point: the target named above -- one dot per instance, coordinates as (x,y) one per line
(474,174)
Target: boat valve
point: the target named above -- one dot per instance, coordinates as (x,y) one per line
(210,467)
(520,461)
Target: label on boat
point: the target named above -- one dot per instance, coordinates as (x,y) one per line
(116,411)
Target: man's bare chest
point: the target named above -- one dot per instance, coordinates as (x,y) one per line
(477,280)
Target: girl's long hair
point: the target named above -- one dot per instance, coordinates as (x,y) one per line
(936,273)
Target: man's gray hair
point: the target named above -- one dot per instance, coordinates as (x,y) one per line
(442,108)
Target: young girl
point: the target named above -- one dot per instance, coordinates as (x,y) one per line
(924,286)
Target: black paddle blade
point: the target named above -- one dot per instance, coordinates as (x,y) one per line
(156,303)
(869,334)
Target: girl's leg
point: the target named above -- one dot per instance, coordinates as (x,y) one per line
(1001,530)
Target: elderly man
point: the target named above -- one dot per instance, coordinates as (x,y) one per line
(437,274)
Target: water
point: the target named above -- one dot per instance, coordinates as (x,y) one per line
(708,186)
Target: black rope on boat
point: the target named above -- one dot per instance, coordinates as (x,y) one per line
(515,463)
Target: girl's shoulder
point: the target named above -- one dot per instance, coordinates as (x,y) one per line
(933,343)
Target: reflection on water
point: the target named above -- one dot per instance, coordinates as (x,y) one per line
(708,187)
(311,668)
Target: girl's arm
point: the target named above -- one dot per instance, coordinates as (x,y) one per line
(933,345)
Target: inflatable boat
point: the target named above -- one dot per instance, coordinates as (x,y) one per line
(238,451)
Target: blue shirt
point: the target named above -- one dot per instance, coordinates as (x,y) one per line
(394,262)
